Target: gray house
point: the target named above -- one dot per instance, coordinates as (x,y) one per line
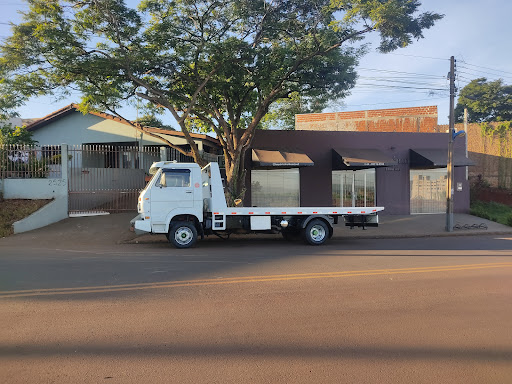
(107,158)
(68,125)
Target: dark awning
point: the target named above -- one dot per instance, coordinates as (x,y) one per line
(280,159)
(360,158)
(436,158)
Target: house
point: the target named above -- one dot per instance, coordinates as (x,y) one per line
(108,159)
(68,125)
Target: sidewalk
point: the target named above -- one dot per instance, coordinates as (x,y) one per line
(112,229)
(425,226)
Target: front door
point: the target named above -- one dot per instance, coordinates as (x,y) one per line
(172,190)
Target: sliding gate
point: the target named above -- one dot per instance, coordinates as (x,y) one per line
(104,178)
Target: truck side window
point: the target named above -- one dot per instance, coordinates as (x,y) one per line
(176,178)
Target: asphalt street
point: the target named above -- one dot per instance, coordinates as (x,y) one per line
(422,310)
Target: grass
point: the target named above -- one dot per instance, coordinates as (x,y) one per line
(500,213)
(13,210)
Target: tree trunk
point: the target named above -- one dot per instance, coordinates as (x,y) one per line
(235,181)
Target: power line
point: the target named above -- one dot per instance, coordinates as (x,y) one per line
(420,57)
(491,69)
(483,74)
(404,87)
(401,72)
(396,102)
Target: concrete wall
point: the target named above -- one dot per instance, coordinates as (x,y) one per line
(417,119)
(492,154)
(32,189)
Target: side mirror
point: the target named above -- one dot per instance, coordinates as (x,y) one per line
(163,182)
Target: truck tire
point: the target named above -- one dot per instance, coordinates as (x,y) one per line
(316,232)
(183,234)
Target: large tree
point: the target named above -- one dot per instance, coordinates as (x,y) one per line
(215,65)
(485,101)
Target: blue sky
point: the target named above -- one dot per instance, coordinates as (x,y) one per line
(475,32)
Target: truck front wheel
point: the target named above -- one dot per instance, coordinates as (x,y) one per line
(316,232)
(182,234)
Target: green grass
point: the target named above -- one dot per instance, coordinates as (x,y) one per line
(13,210)
(500,213)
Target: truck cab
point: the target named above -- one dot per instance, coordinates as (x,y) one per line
(173,193)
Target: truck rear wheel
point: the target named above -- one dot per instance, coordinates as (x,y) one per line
(182,234)
(316,232)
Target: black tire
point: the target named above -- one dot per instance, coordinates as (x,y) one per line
(182,234)
(316,232)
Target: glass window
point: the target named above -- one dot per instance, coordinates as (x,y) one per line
(353,188)
(176,178)
(428,190)
(275,188)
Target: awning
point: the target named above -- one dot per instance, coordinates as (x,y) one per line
(436,158)
(280,159)
(360,158)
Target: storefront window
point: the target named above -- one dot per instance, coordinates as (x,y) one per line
(275,188)
(353,188)
(428,190)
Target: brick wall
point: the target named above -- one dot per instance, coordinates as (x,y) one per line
(416,119)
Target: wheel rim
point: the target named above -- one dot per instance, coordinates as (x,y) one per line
(317,233)
(183,235)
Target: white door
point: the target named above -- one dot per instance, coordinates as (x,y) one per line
(173,190)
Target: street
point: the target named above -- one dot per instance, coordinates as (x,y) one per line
(424,310)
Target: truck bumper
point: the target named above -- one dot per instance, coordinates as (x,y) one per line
(140,226)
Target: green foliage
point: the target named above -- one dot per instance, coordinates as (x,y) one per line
(15,136)
(486,101)
(500,213)
(500,130)
(281,114)
(215,65)
(153,122)
(57,159)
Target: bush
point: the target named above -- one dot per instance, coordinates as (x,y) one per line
(509,220)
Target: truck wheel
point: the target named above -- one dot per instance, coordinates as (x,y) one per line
(316,232)
(182,234)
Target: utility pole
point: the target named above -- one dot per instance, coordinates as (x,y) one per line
(466,138)
(449,187)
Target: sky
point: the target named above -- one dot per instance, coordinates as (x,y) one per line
(477,35)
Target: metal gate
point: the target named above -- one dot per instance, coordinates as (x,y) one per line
(107,178)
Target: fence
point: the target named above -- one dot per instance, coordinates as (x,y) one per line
(98,178)
(106,178)
(30,161)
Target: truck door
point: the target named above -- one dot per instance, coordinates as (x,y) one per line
(173,190)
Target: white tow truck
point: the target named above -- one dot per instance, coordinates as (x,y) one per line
(184,201)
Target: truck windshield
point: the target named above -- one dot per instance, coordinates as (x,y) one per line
(152,178)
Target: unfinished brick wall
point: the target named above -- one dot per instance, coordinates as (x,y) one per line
(416,119)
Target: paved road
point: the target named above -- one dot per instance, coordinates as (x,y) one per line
(384,311)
